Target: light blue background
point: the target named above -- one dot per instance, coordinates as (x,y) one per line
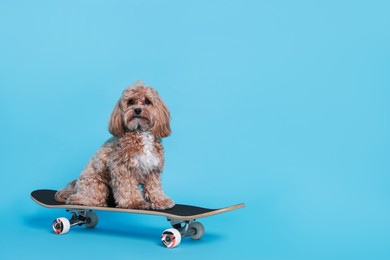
(283,105)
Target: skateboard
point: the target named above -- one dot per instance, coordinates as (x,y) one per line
(181,217)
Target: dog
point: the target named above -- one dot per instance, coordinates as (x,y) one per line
(129,165)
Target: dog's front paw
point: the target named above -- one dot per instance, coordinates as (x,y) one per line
(165,203)
(137,204)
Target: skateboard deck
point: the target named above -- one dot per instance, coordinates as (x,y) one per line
(182,217)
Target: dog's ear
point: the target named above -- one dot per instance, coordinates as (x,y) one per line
(162,126)
(116,123)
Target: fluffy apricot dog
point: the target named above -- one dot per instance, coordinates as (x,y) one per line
(128,165)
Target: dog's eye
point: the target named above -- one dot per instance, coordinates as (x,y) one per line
(147,102)
(130,102)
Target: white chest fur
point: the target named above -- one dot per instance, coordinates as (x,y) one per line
(147,161)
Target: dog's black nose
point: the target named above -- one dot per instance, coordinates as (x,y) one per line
(137,111)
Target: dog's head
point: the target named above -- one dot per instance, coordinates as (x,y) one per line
(140,108)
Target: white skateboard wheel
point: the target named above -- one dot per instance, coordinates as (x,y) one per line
(61,226)
(92,220)
(198,229)
(171,238)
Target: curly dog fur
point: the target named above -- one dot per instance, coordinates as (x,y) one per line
(131,162)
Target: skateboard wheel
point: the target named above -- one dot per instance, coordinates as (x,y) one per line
(198,228)
(61,226)
(171,238)
(92,220)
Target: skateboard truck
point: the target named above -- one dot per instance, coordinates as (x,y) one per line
(181,228)
(79,217)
